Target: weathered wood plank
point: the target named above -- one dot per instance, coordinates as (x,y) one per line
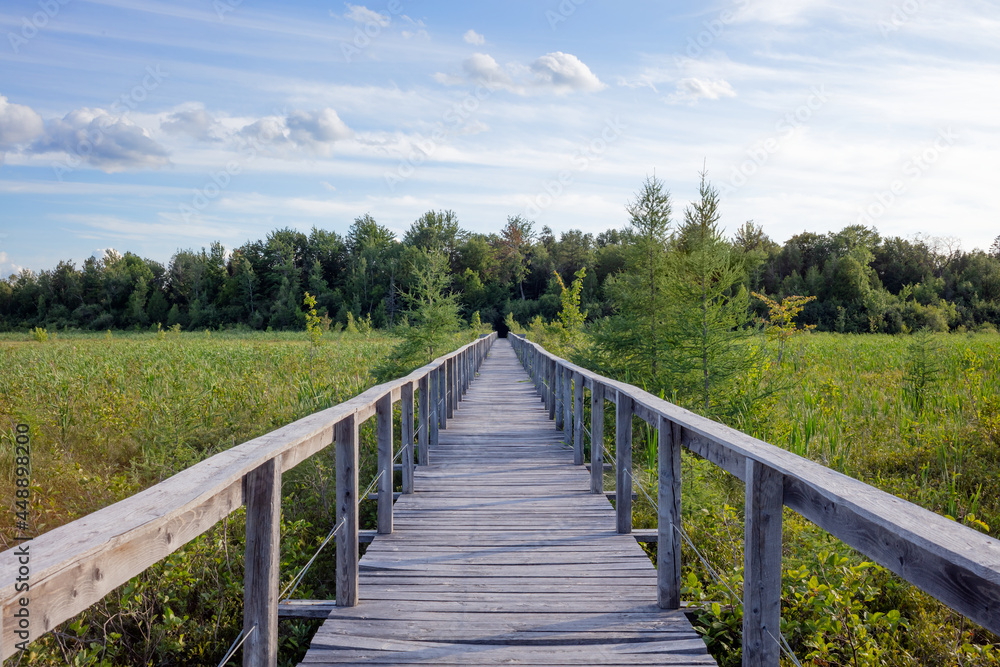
(346,439)
(260,584)
(406,438)
(762,567)
(383,430)
(668,549)
(502,553)
(623,463)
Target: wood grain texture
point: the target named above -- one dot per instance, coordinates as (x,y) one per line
(623,463)
(668,550)
(762,567)
(383,431)
(260,586)
(346,442)
(503,556)
(597,438)
(406,437)
(423,416)
(578,419)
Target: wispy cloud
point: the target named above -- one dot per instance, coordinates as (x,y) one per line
(556,72)
(474,38)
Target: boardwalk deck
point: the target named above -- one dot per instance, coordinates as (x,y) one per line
(502,556)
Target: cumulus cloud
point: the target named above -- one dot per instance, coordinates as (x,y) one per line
(362,14)
(473,37)
(196,123)
(104,141)
(564,72)
(692,89)
(18,125)
(316,131)
(556,72)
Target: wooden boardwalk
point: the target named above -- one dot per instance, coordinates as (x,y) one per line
(502,556)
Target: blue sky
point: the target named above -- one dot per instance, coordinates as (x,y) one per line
(153,126)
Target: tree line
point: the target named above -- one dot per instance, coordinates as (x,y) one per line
(861,281)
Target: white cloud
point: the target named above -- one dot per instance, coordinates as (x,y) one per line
(691,89)
(18,125)
(104,141)
(7,267)
(474,38)
(556,72)
(362,14)
(564,72)
(196,123)
(316,131)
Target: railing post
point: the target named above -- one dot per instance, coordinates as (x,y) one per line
(406,425)
(423,425)
(262,491)
(623,462)
(443,396)
(762,566)
(433,407)
(558,388)
(597,438)
(383,416)
(567,401)
(449,389)
(577,419)
(346,439)
(550,374)
(668,520)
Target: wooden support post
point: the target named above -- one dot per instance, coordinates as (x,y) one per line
(346,439)
(597,438)
(668,500)
(433,422)
(567,401)
(449,389)
(560,376)
(577,419)
(443,395)
(762,566)
(406,425)
(550,374)
(423,427)
(262,491)
(623,462)
(383,413)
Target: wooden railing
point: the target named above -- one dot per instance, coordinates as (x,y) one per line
(74,566)
(955,564)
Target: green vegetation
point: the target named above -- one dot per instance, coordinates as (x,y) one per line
(111,414)
(851,407)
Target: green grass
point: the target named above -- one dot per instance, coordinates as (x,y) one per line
(850,405)
(111,414)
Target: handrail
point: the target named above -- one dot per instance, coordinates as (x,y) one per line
(77,564)
(957,565)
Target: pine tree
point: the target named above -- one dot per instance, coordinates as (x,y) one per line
(630,344)
(711,334)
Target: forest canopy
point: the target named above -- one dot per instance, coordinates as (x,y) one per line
(861,281)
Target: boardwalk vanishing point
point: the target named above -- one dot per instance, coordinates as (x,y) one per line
(503,556)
